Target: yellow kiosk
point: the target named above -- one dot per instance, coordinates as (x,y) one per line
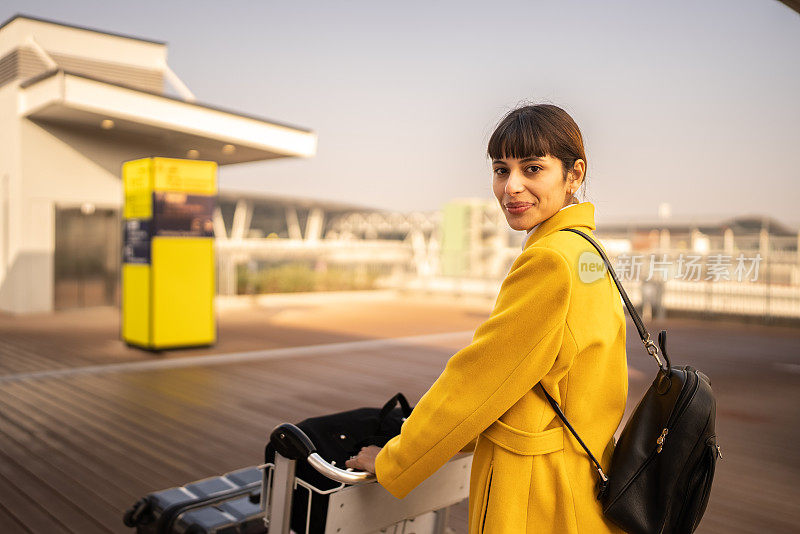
(168,253)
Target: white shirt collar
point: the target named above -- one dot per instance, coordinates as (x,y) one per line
(530,232)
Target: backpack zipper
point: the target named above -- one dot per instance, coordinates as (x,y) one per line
(679,409)
(660,439)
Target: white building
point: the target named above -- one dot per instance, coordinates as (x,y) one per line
(75,103)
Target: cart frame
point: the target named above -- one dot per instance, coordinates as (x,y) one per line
(359,505)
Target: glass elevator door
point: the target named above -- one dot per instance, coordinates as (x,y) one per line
(87,257)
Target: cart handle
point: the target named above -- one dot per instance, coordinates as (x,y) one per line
(293,443)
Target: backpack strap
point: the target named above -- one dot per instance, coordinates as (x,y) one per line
(650,346)
(603,478)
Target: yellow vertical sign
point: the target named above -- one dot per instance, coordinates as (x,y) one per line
(168,273)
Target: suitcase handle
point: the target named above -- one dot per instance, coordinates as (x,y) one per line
(294,444)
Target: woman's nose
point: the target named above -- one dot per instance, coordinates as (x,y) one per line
(514,183)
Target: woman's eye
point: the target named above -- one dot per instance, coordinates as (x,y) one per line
(534,167)
(499,170)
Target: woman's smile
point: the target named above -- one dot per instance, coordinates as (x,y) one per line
(516,208)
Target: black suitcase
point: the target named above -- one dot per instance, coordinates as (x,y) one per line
(337,437)
(227,504)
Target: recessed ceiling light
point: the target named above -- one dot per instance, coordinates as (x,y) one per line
(193,154)
(228,149)
(107,124)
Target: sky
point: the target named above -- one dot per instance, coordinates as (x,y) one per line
(691,103)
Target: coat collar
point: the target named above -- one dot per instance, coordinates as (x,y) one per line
(580,215)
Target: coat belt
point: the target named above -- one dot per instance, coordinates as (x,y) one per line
(522,442)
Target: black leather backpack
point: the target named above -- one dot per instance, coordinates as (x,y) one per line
(662,467)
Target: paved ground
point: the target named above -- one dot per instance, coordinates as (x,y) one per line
(88,425)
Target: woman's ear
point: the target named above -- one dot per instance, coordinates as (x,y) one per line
(578,172)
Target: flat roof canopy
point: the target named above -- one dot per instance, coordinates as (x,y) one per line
(225,137)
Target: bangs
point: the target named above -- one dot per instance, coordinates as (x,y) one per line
(520,135)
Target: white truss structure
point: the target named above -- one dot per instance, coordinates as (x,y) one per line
(409,243)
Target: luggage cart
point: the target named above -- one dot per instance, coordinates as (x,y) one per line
(359,505)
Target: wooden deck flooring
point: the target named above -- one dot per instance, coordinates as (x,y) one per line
(77,449)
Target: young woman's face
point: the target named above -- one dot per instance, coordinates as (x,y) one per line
(532,189)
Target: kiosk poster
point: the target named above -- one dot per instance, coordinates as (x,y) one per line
(183,214)
(136,248)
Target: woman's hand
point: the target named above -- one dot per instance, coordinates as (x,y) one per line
(365,459)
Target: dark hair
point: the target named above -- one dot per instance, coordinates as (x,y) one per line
(538,130)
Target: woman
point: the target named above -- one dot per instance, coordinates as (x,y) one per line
(552,324)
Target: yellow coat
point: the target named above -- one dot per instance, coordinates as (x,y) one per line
(529,474)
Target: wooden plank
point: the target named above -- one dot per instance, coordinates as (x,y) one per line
(45,440)
(45,501)
(164,432)
(17,501)
(9,521)
(92,438)
(80,492)
(26,444)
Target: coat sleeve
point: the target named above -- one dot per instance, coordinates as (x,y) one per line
(509,354)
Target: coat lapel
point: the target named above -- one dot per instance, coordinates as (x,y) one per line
(580,215)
